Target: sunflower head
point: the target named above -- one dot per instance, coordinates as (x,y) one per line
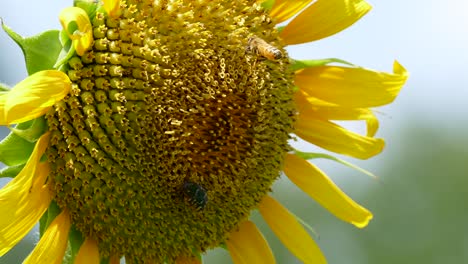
(154,128)
(175,127)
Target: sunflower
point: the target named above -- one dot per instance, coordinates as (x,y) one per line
(150,130)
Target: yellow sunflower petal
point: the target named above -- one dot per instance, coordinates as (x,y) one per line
(82,37)
(88,253)
(337,139)
(322,19)
(247,245)
(284,9)
(290,232)
(24,199)
(51,247)
(311,106)
(112,7)
(33,96)
(318,186)
(187,260)
(352,87)
(114,259)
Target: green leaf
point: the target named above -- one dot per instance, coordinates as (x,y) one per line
(280,28)
(66,53)
(11,172)
(302,64)
(89,6)
(104,261)
(48,217)
(76,239)
(4,87)
(198,255)
(40,51)
(42,224)
(34,131)
(268,4)
(224,246)
(313,155)
(15,150)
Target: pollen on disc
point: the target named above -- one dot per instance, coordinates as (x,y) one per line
(169,95)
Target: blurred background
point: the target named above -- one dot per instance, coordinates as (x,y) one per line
(420,201)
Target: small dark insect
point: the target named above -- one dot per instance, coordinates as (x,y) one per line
(196,193)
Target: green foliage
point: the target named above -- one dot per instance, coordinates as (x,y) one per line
(49,216)
(40,51)
(31,130)
(75,239)
(302,64)
(11,172)
(66,53)
(89,6)
(315,155)
(15,150)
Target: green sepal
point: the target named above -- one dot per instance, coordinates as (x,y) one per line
(42,223)
(224,246)
(48,217)
(11,172)
(66,53)
(313,155)
(307,226)
(15,150)
(40,51)
(75,239)
(280,28)
(36,128)
(268,4)
(302,64)
(104,261)
(197,255)
(4,87)
(89,6)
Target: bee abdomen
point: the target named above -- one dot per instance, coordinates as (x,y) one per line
(276,54)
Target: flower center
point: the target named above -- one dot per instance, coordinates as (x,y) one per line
(175,128)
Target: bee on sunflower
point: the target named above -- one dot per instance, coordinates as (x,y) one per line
(150,130)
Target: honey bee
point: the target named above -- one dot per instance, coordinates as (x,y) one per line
(196,194)
(261,47)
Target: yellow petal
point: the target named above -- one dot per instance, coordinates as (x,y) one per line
(51,247)
(24,199)
(318,186)
(76,23)
(247,245)
(290,232)
(112,7)
(114,259)
(284,9)
(88,253)
(352,87)
(311,106)
(33,96)
(187,260)
(322,19)
(335,138)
